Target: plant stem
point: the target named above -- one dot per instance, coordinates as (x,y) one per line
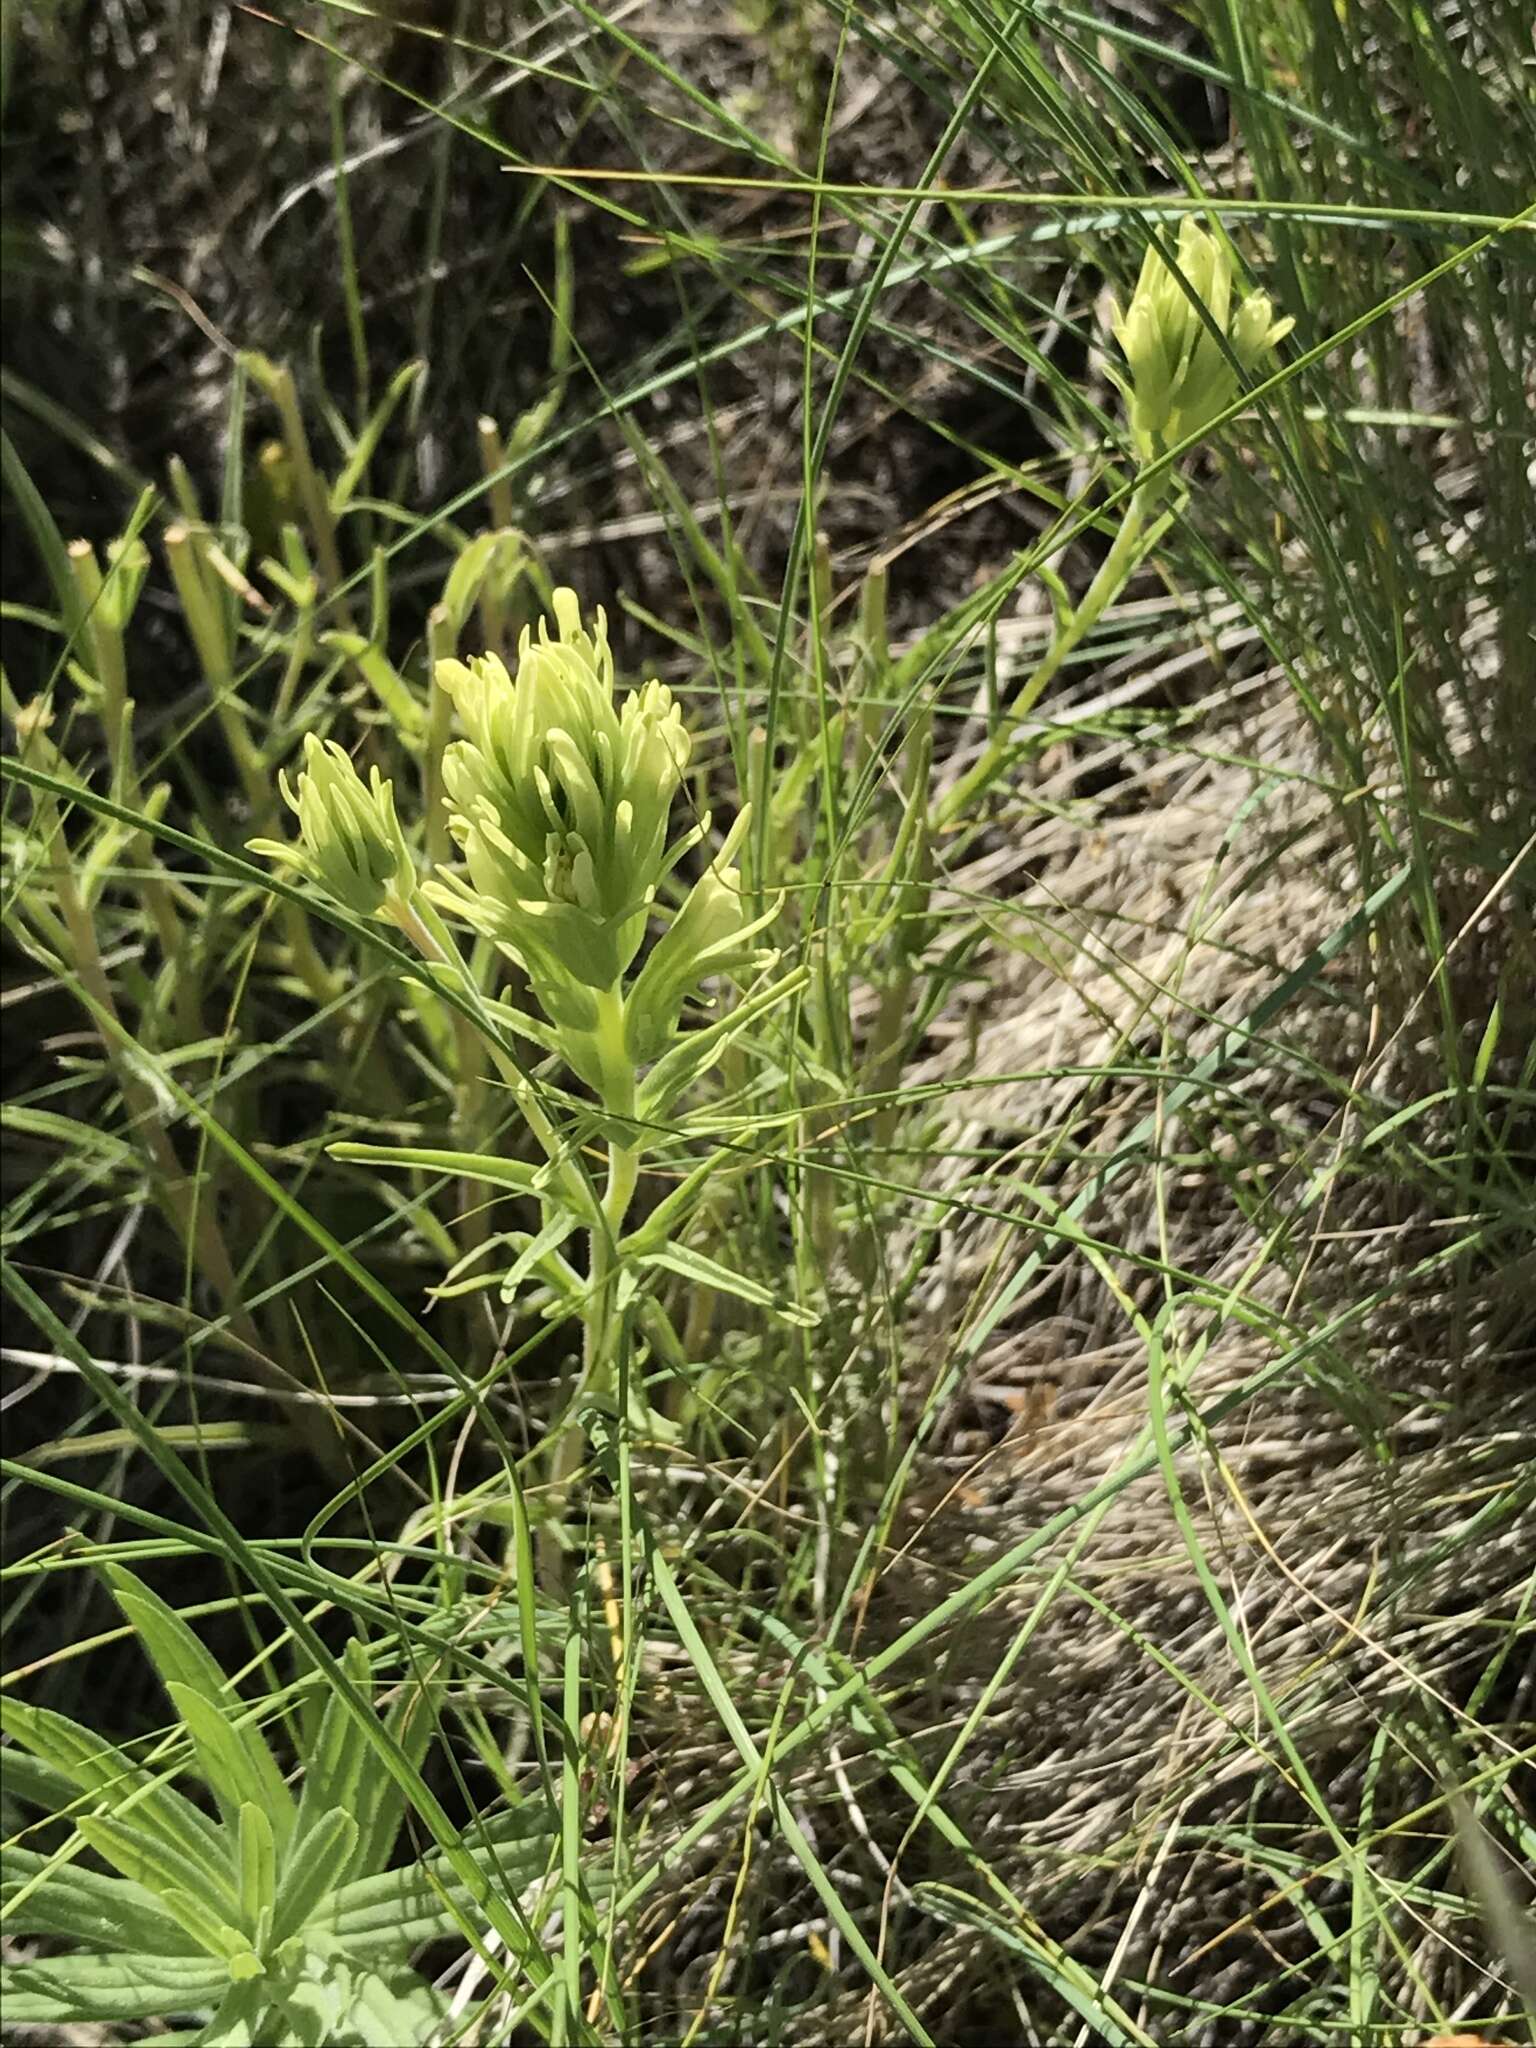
(104,643)
(216,657)
(1113,572)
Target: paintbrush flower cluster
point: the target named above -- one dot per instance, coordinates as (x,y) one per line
(1189,334)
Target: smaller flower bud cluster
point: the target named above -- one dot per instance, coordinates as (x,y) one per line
(350,843)
(1181,375)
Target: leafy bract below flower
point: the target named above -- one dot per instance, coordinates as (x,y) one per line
(560,804)
(709,935)
(350,843)
(1181,377)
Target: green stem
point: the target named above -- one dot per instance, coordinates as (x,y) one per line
(104,643)
(599,1348)
(1113,573)
(206,626)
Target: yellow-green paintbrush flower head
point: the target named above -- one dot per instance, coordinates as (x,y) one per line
(1181,377)
(350,843)
(560,800)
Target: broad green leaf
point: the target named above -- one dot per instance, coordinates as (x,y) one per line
(27,1777)
(243,2020)
(46,1895)
(181,1659)
(383,2013)
(231,1768)
(316,1869)
(97,1768)
(107,1988)
(178,1882)
(381,1917)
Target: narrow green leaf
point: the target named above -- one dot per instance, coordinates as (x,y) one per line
(219,1729)
(228,1765)
(316,1868)
(345,486)
(465,578)
(258,1869)
(958,1909)
(706,1272)
(511,1174)
(46,538)
(380,1805)
(536,1250)
(99,1769)
(794,1835)
(334,1762)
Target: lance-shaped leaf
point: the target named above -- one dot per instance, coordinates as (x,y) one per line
(315,1870)
(176,1883)
(53,1895)
(232,1754)
(109,1988)
(710,935)
(100,1770)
